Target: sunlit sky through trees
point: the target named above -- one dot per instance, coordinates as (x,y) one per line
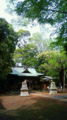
(45,29)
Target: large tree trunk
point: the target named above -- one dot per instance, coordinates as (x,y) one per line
(62,77)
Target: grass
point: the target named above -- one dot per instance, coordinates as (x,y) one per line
(43,109)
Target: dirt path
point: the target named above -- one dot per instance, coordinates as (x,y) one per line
(15,102)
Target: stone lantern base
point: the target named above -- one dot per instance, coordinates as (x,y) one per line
(24,93)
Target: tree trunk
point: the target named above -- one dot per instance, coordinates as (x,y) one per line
(62,77)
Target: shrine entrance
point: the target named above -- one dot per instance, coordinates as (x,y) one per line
(31,76)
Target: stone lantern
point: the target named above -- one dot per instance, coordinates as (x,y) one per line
(24,89)
(52,88)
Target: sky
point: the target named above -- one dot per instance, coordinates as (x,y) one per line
(45,30)
(3,11)
(9,17)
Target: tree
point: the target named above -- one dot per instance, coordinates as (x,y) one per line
(27,55)
(23,36)
(46,11)
(8,41)
(53,63)
(61,40)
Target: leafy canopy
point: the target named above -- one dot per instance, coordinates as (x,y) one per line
(46,11)
(26,55)
(52,62)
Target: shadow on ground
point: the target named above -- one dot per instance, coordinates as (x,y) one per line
(1,105)
(43,109)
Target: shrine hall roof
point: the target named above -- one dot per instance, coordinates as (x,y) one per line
(21,71)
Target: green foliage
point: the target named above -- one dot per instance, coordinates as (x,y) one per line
(43,10)
(23,33)
(51,63)
(34,9)
(26,55)
(61,40)
(8,40)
